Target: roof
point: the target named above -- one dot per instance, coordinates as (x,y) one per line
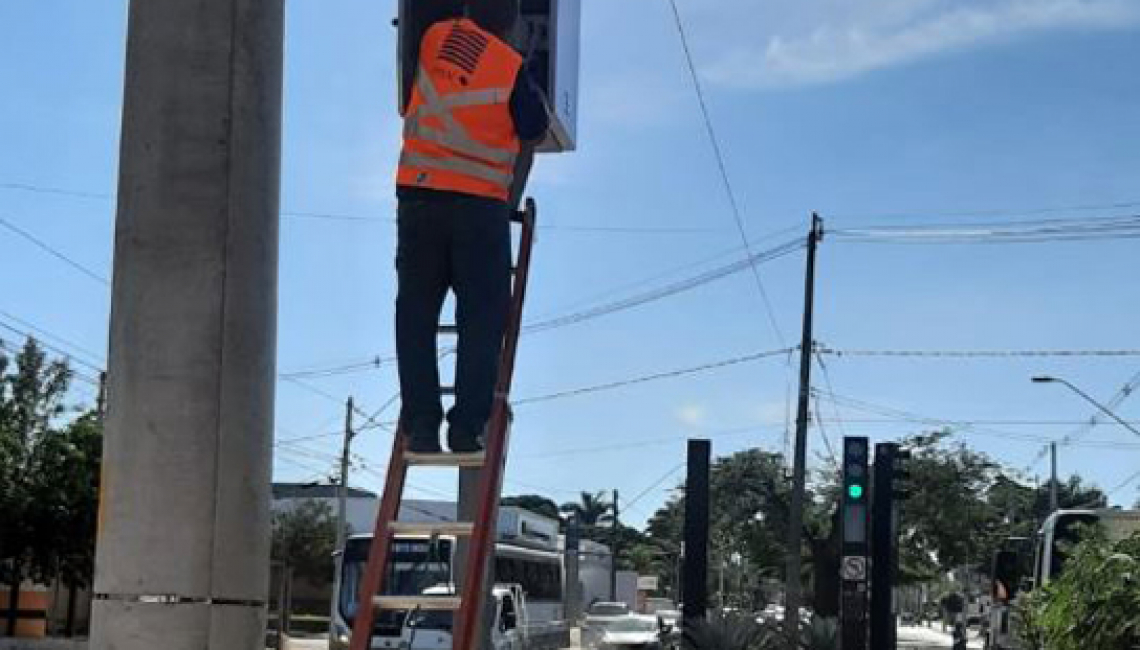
(316,491)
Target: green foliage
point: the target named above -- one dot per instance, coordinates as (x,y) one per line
(729,632)
(591,510)
(49,472)
(820,634)
(750,504)
(734,632)
(534,503)
(304,538)
(1093,604)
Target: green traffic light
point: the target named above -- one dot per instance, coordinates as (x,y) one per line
(855,491)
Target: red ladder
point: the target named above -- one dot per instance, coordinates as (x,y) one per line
(491,464)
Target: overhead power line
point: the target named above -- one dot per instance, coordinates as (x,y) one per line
(722,167)
(664,477)
(976,354)
(670,374)
(54,252)
(920,214)
(1006,232)
(665,291)
(363,218)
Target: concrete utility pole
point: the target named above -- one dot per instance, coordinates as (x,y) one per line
(342,488)
(573,571)
(183,546)
(1053,500)
(614,549)
(792,589)
(101,398)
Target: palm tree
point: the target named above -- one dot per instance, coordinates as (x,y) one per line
(592,510)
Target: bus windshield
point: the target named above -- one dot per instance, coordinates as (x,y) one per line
(415,565)
(1067,533)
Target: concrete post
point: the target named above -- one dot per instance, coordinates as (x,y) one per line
(183,545)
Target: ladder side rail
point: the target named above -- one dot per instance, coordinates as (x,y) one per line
(372,582)
(491,482)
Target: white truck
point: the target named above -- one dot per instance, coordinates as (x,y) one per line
(431,630)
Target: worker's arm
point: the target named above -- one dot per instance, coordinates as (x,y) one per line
(529,108)
(530,113)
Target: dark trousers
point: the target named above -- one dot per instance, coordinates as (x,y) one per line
(451,241)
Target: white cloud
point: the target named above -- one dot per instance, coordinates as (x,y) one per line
(810,46)
(692,415)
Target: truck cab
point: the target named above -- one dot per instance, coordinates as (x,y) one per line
(431,630)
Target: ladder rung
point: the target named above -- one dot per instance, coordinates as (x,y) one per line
(449,329)
(475,459)
(435,603)
(431,528)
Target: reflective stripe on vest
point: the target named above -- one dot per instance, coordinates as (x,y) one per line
(454,136)
(458,165)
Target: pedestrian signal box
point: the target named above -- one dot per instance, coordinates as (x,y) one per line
(547,35)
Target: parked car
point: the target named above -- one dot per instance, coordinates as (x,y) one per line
(626,633)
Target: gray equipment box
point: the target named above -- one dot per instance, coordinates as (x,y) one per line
(548,35)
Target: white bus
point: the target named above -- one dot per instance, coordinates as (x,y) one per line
(1063,529)
(526,559)
(1051,552)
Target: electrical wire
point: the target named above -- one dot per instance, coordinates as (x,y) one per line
(54,252)
(1039,231)
(977,354)
(633,502)
(574,392)
(4,315)
(598,311)
(666,291)
(722,167)
(988,213)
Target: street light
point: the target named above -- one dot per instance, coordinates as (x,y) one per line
(1045,379)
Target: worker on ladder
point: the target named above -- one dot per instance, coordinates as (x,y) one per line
(474,112)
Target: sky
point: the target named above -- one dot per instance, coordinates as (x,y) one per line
(881,113)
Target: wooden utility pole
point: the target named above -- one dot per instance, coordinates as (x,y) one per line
(792,590)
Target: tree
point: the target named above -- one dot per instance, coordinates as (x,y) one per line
(304,538)
(535,503)
(35,463)
(946,522)
(750,505)
(592,510)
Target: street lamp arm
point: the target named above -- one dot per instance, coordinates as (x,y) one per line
(1097,404)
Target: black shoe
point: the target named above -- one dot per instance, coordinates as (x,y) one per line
(424,440)
(463,441)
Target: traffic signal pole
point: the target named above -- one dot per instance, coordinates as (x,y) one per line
(792,589)
(854,517)
(884,550)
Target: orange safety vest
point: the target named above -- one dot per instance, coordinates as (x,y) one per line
(458,131)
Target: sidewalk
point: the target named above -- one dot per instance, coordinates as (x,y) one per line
(926,638)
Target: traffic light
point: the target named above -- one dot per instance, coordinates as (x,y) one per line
(891,486)
(900,474)
(853,572)
(855,492)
